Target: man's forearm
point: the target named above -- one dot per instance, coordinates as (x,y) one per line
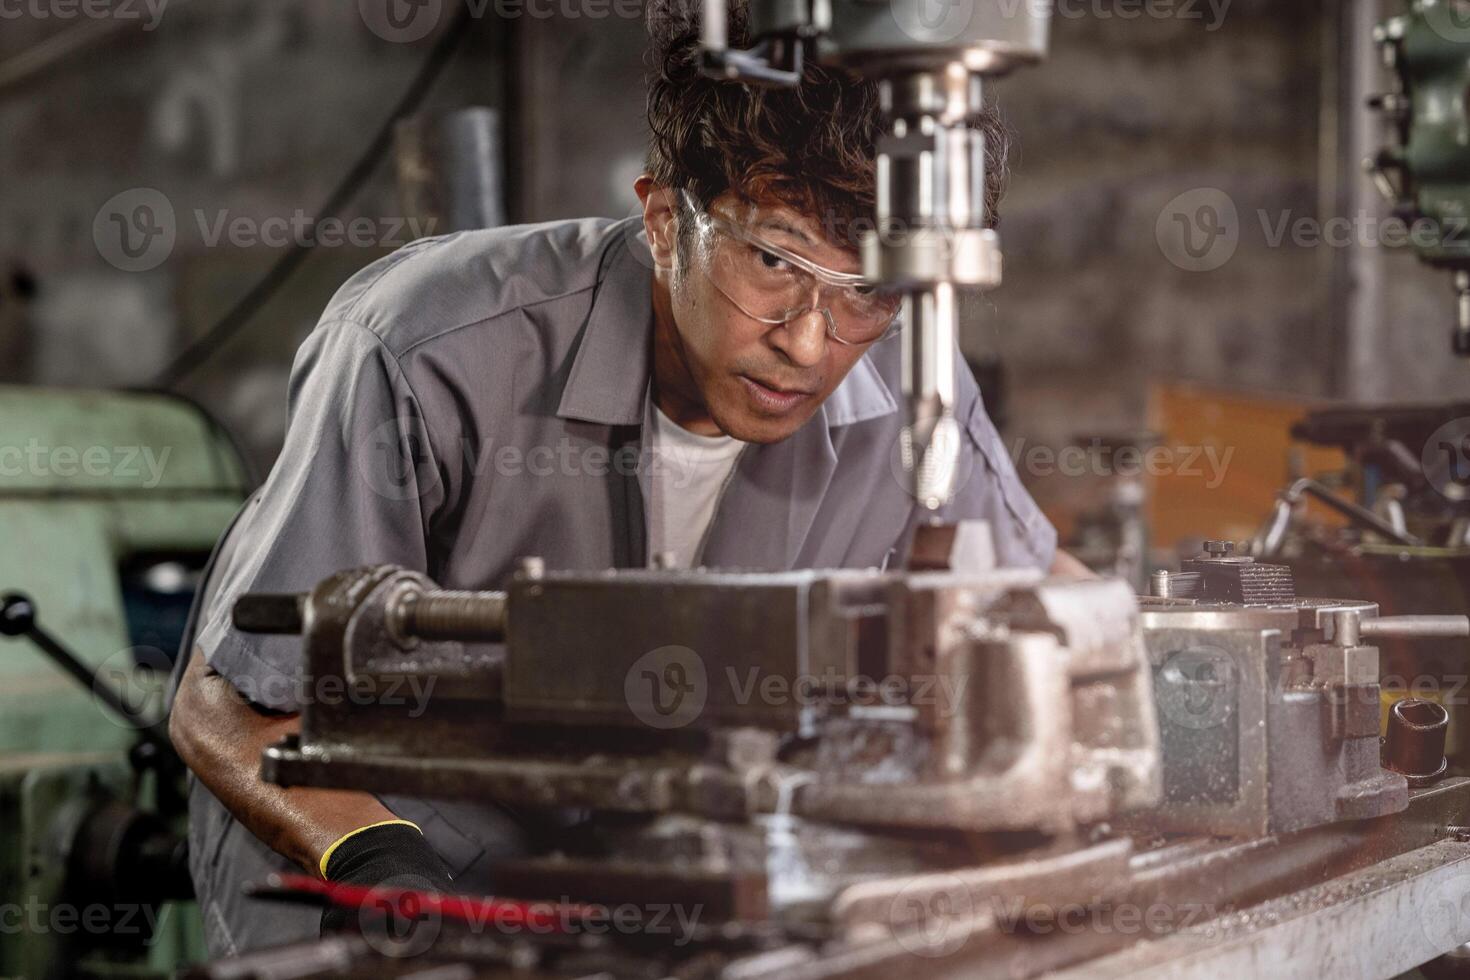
(1067,564)
(221,737)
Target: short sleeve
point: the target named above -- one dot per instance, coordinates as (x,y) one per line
(356,483)
(992,491)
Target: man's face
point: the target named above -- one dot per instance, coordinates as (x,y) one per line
(758,382)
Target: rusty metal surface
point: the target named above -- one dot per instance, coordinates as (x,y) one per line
(1086,754)
(1266,727)
(1229,908)
(961,722)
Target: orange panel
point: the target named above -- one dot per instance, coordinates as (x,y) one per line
(1244,457)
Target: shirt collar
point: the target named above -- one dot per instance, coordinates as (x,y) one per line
(612,367)
(610,374)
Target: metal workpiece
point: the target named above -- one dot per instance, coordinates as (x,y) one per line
(1268,720)
(1052,726)
(1414,745)
(841,766)
(942,688)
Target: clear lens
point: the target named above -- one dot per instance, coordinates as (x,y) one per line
(774,289)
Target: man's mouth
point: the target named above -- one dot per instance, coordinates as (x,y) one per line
(773,398)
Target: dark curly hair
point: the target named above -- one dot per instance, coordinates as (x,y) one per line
(810,147)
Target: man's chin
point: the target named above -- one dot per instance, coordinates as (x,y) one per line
(748,426)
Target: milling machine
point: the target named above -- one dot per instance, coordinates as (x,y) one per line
(845,773)
(110,503)
(851,773)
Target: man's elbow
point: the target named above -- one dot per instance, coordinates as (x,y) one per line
(184,718)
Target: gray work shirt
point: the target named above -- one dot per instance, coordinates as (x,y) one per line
(480,397)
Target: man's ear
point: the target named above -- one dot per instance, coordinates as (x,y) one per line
(660,220)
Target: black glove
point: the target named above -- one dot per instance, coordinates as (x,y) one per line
(394,855)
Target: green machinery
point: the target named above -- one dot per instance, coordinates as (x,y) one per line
(1426,174)
(110,503)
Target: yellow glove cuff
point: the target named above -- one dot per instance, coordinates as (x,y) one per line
(327,854)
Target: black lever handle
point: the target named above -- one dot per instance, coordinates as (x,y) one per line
(18,619)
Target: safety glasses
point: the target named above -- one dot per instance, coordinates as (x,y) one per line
(772,284)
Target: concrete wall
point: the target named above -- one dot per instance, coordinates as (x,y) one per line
(228,110)
(254,109)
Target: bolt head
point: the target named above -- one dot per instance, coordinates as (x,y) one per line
(17,614)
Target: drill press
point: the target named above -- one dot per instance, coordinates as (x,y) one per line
(931,240)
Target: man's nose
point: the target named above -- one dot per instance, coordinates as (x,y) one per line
(803,339)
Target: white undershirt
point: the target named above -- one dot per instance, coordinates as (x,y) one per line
(687,473)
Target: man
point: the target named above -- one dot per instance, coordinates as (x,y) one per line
(710,382)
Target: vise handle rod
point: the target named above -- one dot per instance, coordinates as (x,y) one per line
(412,613)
